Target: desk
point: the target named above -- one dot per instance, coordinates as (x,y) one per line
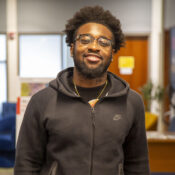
(161,151)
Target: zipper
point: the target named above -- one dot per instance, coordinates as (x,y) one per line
(93,140)
(93,132)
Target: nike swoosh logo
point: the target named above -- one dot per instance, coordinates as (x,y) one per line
(117,117)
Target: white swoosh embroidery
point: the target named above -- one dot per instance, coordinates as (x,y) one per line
(117,117)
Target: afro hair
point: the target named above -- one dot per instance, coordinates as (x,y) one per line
(98,15)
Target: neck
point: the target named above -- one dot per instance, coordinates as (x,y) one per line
(83,81)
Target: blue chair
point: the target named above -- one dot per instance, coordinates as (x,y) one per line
(7,135)
(8,109)
(7,159)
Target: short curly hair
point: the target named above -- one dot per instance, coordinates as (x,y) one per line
(98,15)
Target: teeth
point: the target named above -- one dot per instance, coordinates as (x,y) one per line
(92,58)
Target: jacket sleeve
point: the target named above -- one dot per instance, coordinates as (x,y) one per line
(31,145)
(135,147)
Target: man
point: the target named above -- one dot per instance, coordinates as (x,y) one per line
(88,121)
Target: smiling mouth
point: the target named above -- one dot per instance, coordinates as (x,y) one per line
(93,58)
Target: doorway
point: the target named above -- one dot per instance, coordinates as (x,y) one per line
(136,47)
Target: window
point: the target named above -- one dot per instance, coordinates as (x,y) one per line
(3,71)
(43,56)
(67,60)
(39,56)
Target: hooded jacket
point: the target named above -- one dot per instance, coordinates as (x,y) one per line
(63,135)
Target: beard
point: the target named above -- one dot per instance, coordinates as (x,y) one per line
(91,73)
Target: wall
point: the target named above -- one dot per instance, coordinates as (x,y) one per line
(169,17)
(51,15)
(2,16)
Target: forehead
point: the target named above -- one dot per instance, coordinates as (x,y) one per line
(95,30)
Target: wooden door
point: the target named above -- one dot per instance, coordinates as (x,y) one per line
(138,48)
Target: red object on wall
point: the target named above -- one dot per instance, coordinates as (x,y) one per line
(18,106)
(11,35)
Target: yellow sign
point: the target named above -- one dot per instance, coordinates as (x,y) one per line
(126,62)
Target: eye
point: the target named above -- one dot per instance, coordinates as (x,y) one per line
(84,39)
(104,42)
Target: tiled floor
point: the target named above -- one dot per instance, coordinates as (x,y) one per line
(6,171)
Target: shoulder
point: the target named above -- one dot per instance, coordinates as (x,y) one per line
(43,97)
(44,92)
(134,96)
(135,107)
(40,103)
(135,99)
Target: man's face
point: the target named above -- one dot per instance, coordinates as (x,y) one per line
(92,51)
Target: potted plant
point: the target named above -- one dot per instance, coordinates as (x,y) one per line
(149,93)
(146,91)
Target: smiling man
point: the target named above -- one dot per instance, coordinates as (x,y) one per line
(88,121)
(92,51)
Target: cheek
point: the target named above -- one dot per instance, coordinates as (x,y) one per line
(107,53)
(79,50)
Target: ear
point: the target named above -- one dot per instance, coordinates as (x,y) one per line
(113,52)
(72,49)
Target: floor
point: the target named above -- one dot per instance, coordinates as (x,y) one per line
(6,171)
(9,171)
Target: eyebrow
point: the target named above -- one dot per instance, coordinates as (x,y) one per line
(101,36)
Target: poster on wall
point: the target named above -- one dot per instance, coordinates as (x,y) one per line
(126,64)
(27,89)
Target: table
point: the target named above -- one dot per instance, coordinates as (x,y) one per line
(161,151)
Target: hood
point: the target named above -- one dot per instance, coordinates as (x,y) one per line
(118,86)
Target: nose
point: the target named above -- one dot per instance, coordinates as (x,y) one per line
(93,46)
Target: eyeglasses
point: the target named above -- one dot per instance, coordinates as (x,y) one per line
(86,39)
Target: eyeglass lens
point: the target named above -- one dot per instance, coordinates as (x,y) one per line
(87,39)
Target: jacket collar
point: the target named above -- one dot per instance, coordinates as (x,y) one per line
(118,86)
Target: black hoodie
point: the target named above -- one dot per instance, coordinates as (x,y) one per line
(63,135)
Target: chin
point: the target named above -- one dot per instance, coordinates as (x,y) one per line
(92,72)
